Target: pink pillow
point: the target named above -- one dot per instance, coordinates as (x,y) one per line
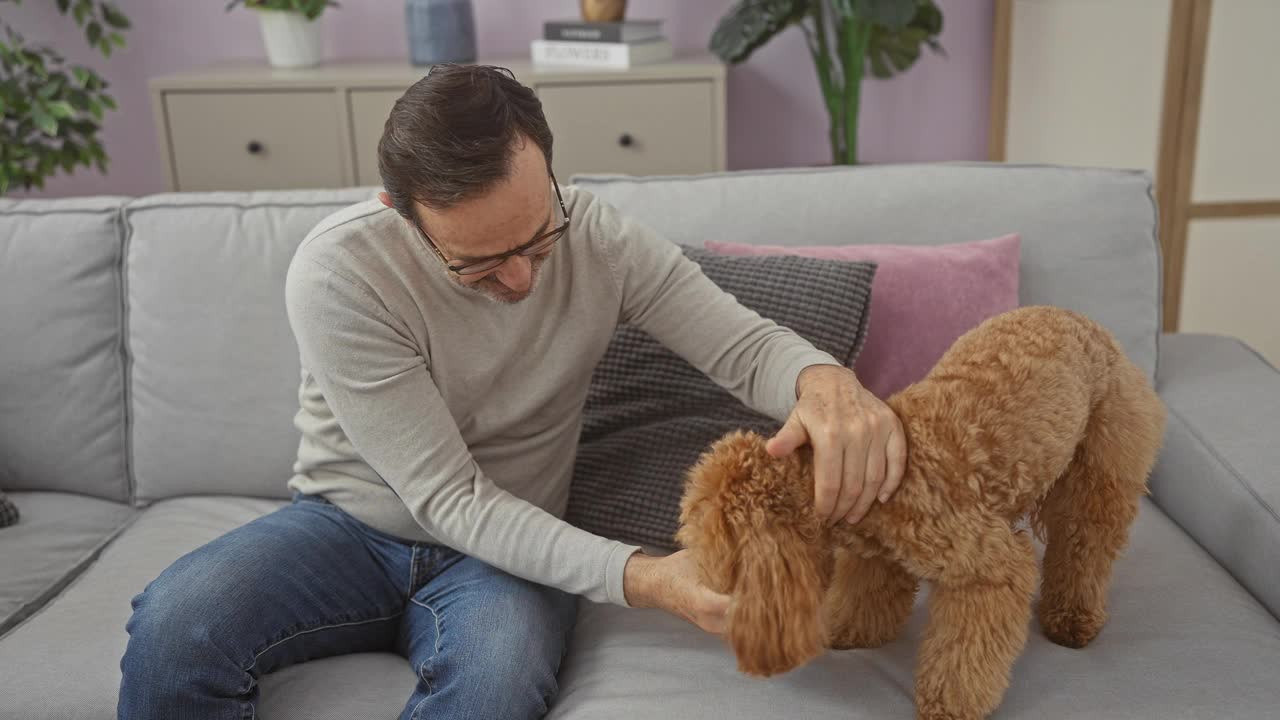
(922,299)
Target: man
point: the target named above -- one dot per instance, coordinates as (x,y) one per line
(447,338)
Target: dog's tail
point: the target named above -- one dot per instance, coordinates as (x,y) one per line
(745,518)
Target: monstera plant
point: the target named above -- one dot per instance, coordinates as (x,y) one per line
(848,39)
(51,111)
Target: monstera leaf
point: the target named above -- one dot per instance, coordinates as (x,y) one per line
(848,39)
(892,51)
(752,23)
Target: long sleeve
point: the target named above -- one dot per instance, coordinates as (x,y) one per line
(666,294)
(380,390)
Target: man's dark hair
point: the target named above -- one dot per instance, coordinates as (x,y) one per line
(453,135)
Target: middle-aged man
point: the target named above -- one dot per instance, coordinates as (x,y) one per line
(448,335)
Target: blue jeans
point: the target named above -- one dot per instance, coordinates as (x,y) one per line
(309,581)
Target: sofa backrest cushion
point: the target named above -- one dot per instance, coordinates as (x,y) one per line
(62,414)
(1088,235)
(214,369)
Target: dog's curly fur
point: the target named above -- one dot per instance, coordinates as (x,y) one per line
(1037,413)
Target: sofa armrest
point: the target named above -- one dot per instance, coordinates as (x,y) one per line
(1218,475)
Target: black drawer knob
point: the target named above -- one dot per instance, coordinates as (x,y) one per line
(626,140)
(255,148)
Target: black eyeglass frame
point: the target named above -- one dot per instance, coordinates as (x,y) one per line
(559,231)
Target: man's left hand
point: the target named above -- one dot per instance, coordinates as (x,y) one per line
(859,448)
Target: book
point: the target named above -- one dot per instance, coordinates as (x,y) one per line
(627,31)
(599,54)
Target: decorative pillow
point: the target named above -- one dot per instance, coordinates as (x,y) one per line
(8,511)
(924,298)
(649,414)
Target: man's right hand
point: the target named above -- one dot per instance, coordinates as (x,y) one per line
(672,583)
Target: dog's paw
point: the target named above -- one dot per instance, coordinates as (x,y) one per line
(930,711)
(861,638)
(1071,627)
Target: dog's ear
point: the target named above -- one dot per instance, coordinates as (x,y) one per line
(761,550)
(775,611)
(704,530)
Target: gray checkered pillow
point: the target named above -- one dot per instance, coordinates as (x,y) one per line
(8,511)
(649,414)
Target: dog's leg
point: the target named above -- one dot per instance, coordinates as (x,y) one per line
(1087,514)
(977,628)
(869,601)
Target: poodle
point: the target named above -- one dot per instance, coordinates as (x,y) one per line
(1036,414)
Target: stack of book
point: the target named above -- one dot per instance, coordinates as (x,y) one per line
(616,45)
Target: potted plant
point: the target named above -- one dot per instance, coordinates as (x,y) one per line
(843,35)
(290,29)
(51,111)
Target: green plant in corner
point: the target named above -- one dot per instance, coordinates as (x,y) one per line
(51,112)
(310,8)
(848,39)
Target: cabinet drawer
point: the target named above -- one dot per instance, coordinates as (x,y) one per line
(635,128)
(254,140)
(369,112)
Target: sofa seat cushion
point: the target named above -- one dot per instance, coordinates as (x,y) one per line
(64,663)
(1184,641)
(56,537)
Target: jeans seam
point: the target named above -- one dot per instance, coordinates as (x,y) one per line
(422,666)
(291,636)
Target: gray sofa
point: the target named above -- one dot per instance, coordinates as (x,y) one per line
(148,382)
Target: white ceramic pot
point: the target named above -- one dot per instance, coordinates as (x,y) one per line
(291,39)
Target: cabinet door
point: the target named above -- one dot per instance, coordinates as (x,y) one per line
(634,128)
(369,111)
(247,140)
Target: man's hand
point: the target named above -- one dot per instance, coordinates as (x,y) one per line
(859,448)
(671,583)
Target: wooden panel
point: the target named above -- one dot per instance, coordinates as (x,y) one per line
(369,111)
(1086,79)
(1236,209)
(670,127)
(1001,38)
(1230,283)
(1237,151)
(213,135)
(1188,121)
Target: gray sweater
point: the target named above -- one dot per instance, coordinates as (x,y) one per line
(434,414)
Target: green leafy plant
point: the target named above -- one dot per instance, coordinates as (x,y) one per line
(311,8)
(848,39)
(51,112)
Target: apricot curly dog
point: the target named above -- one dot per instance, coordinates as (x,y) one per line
(1036,413)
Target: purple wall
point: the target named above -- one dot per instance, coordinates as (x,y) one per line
(936,111)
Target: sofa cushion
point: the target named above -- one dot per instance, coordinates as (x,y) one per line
(923,299)
(649,414)
(1088,235)
(59,536)
(62,423)
(81,634)
(214,369)
(1184,641)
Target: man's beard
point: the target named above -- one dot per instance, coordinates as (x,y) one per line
(495,291)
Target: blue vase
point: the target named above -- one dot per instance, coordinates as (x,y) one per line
(441,31)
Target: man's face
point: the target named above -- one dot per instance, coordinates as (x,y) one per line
(515,211)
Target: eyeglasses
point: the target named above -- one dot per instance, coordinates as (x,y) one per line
(536,246)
